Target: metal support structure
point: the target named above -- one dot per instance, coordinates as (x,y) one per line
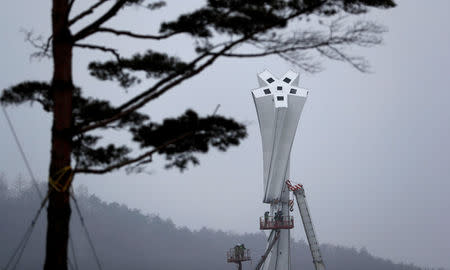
(269,248)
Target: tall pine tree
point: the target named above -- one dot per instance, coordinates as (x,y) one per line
(299,31)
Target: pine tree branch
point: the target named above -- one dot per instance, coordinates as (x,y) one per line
(91,28)
(133,160)
(97,47)
(154,92)
(159,84)
(220,53)
(86,12)
(134,35)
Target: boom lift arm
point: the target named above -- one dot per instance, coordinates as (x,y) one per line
(299,194)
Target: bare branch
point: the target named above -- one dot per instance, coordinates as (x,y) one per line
(276,51)
(48,43)
(38,43)
(302,61)
(91,28)
(134,35)
(334,53)
(330,44)
(97,47)
(86,12)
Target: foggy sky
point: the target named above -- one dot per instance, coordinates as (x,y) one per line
(372,150)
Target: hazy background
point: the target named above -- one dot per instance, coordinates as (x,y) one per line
(372,149)
(126,239)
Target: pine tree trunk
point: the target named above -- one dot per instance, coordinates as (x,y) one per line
(58,212)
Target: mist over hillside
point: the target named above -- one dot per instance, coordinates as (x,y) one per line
(127,239)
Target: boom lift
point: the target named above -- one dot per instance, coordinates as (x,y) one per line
(238,254)
(299,193)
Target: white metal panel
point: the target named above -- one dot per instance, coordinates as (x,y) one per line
(266,118)
(278,160)
(264,78)
(291,76)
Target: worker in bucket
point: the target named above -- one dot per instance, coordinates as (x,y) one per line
(237,251)
(266,217)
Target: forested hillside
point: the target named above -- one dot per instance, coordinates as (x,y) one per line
(127,239)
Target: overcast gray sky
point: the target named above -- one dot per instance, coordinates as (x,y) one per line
(372,150)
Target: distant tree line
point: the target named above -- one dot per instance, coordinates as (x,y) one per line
(127,239)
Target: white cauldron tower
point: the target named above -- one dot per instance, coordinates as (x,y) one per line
(279,104)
